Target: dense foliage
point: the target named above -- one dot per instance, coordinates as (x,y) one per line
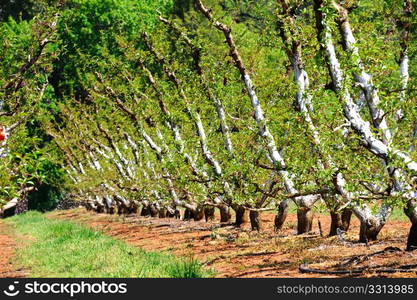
(242,105)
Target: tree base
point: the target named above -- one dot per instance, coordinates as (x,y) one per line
(199,214)
(153,211)
(411,212)
(281,215)
(209,213)
(412,238)
(225,215)
(145,211)
(304,220)
(188,215)
(162,213)
(369,232)
(241,216)
(255,220)
(341,220)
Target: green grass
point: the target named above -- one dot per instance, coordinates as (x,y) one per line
(398,215)
(56,248)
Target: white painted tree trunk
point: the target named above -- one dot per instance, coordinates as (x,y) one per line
(376,146)
(351,111)
(197,61)
(404,75)
(134,148)
(369,91)
(405,28)
(223,125)
(194,116)
(263,129)
(102,149)
(204,147)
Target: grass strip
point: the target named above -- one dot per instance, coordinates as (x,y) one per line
(63,249)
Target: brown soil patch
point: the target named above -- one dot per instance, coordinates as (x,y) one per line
(7,249)
(240,252)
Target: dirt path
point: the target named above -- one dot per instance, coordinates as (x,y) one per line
(239,252)
(7,249)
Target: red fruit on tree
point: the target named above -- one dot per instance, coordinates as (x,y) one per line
(2,134)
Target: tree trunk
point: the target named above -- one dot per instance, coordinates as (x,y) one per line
(241,216)
(255,220)
(195,212)
(371,224)
(100,208)
(411,212)
(162,212)
(174,213)
(188,214)
(225,215)
(198,214)
(209,213)
(153,210)
(145,211)
(412,237)
(369,232)
(122,209)
(341,220)
(134,208)
(88,206)
(281,215)
(346,217)
(22,205)
(9,209)
(305,220)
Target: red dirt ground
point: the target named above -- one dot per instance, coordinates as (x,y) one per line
(7,248)
(239,252)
